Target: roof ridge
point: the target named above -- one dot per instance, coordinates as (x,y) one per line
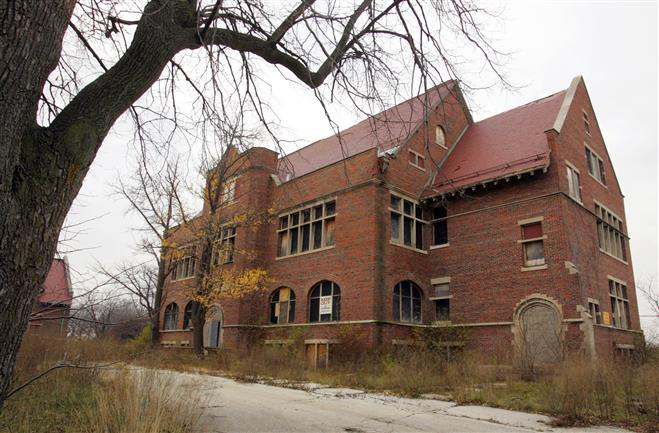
(370,117)
(535,101)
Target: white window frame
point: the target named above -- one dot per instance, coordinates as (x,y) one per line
(415,162)
(536,263)
(323,220)
(594,310)
(572,192)
(400,241)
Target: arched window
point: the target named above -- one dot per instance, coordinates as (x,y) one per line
(325,302)
(440,136)
(171,316)
(282,306)
(187,315)
(407,302)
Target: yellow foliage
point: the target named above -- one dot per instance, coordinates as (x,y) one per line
(230,284)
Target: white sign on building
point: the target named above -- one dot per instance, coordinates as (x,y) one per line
(325,305)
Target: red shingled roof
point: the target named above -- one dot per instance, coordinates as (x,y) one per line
(56,288)
(383,131)
(506,144)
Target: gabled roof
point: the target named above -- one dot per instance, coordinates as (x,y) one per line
(57,287)
(503,145)
(382,131)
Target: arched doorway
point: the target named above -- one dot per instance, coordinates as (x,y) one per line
(213,327)
(538,333)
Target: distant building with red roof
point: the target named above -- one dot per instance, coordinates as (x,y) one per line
(53,306)
(512,228)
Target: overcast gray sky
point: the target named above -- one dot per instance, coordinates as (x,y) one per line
(613,44)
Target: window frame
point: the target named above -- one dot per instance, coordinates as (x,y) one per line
(170,320)
(336,302)
(184,261)
(571,170)
(225,247)
(187,315)
(619,297)
(524,242)
(229,189)
(415,157)
(402,215)
(594,160)
(586,121)
(290,303)
(608,233)
(595,311)
(286,229)
(398,298)
(439,128)
(441,220)
(434,282)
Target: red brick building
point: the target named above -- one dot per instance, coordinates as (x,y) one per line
(53,306)
(512,228)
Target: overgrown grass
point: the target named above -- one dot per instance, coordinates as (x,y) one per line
(577,392)
(86,398)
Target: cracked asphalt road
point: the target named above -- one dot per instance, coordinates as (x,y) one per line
(232,407)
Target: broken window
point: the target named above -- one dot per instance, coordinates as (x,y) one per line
(609,233)
(439,226)
(619,304)
(407,302)
(325,302)
(533,244)
(308,229)
(282,306)
(187,315)
(573,183)
(171,316)
(186,264)
(406,222)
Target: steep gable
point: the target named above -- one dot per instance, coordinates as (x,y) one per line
(383,131)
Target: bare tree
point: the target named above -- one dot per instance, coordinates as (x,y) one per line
(53,119)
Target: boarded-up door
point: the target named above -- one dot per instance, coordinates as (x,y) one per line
(540,328)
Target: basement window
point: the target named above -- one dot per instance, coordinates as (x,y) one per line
(533,244)
(417,160)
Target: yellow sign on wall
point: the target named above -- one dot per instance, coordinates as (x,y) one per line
(606,318)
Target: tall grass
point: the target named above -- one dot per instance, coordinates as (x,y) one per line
(82,399)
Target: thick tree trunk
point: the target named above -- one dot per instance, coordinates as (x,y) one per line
(41,169)
(157,301)
(198,320)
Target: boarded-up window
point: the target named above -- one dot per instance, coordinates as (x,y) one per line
(282,306)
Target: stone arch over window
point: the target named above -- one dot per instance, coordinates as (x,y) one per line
(171,316)
(187,315)
(325,302)
(213,329)
(407,298)
(538,332)
(282,306)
